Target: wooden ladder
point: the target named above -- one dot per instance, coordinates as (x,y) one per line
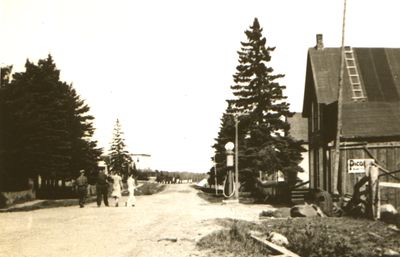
(356,87)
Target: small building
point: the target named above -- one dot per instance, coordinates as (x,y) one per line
(299,131)
(370,115)
(142,161)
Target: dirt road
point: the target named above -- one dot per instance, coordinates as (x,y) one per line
(165,224)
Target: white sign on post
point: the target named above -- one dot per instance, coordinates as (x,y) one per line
(358,165)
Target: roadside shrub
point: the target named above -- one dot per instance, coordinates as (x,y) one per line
(150,189)
(391,218)
(315,241)
(142,175)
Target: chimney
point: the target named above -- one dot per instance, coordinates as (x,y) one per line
(320,43)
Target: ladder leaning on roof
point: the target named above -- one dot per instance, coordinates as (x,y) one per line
(355,81)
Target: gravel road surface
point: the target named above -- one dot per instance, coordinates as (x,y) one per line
(165,224)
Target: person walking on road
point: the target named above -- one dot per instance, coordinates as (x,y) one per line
(131,189)
(102,188)
(117,187)
(81,188)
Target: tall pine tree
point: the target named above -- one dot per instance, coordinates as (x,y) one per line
(120,159)
(264,141)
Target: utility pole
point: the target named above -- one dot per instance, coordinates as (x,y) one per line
(237,183)
(236,145)
(215,172)
(236,158)
(336,169)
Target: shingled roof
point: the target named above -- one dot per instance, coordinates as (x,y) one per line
(379,72)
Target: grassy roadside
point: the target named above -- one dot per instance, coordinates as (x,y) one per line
(43,204)
(313,237)
(147,188)
(150,188)
(232,240)
(208,194)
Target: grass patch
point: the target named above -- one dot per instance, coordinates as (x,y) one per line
(232,241)
(312,237)
(208,194)
(332,237)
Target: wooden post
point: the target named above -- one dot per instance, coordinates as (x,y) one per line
(373,207)
(378,200)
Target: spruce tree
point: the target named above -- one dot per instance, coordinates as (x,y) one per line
(84,151)
(39,145)
(264,141)
(46,126)
(120,158)
(226,134)
(5,74)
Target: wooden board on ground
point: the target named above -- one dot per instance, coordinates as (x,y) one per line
(283,252)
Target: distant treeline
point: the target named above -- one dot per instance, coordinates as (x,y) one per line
(144,175)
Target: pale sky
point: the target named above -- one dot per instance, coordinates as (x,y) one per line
(164,68)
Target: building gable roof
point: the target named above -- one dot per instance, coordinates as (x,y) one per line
(379,70)
(379,73)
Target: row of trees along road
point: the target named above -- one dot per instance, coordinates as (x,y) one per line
(264,140)
(45,128)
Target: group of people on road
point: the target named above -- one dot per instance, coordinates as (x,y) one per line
(103,182)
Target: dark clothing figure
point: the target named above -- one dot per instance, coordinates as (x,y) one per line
(102,188)
(81,186)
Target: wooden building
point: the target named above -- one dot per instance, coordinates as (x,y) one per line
(370,114)
(299,131)
(142,161)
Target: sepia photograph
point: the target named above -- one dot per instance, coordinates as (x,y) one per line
(199,128)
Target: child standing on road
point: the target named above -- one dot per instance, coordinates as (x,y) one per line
(117,187)
(131,189)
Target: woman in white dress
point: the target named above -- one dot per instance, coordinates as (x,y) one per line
(131,189)
(116,188)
